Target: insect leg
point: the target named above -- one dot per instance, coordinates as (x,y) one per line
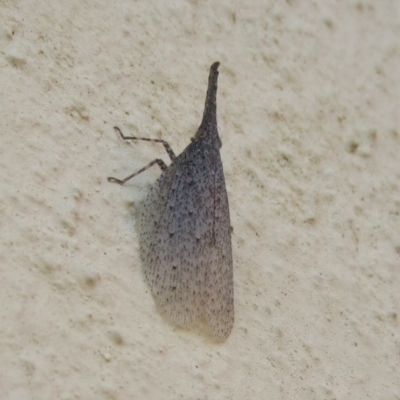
(160,163)
(167,147)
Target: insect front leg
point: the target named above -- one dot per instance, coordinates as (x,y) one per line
(167,147)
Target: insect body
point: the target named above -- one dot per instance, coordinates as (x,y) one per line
(185,234)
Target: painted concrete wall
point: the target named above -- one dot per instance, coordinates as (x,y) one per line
(308,113)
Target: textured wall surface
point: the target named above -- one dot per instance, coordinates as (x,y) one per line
(309,117)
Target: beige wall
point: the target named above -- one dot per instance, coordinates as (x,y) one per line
(308,113)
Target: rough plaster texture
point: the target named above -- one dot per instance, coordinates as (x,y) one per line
(308,112)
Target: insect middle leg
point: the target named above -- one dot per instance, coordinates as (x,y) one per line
(158,161)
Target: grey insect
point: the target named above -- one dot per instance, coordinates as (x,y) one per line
(185,232)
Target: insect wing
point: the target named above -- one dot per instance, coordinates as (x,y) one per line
(175,238)
(219,300)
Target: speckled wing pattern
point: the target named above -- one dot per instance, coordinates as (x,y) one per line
(185,232)
(186,241)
